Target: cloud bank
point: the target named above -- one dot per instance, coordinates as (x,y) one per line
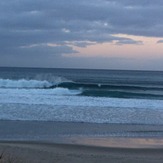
(29,28)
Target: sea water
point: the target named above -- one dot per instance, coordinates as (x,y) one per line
(81,95)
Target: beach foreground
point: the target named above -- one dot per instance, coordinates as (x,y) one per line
(39,152)
(61,142)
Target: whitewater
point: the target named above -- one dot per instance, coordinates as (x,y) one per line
(71,96)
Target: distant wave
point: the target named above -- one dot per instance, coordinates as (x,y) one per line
(117,91)
(107,86)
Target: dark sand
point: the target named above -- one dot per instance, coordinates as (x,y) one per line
(28,152)
(57,142)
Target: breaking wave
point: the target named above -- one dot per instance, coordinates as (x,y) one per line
(42,87)
(62,86)
(23,83)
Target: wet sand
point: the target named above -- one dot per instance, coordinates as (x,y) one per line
(58,142)
(37,152)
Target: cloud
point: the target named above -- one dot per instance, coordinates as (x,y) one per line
(40,49)
(160,41)
(128,41)
(71,23)
(50,49)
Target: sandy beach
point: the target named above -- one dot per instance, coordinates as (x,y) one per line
(37,152)
(52,142)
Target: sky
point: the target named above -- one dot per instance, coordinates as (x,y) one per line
(95,34)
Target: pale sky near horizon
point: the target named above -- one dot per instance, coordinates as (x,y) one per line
(101,34)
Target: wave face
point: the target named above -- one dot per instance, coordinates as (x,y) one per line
(95,96)
(119,91)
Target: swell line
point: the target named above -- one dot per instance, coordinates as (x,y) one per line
(73,85)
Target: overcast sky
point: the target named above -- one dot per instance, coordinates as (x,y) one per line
(108,34)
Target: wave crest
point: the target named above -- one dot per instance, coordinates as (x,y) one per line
(27,85)
(23,83)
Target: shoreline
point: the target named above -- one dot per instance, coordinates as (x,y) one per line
(47,130)
(99,142)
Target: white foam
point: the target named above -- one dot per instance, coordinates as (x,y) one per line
(40,81)
(60,96)
(80,114)
(60,104)
(23,83)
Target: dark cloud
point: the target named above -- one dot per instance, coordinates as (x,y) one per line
(71,22)
(128,41)
(37,50)
(160,41)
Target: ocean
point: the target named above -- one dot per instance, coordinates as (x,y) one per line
(81,95)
